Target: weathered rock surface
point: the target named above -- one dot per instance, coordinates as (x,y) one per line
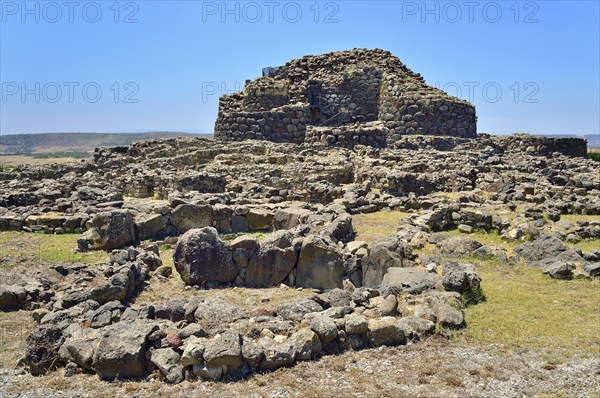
(121,350)
(201,256)
(224,350)
(42,349)
(169,363)
(306,344)
(295,310)
(385,254)
(412,280)
(319,265)
(274,261)
(188,216)
(385,331)
(112,229)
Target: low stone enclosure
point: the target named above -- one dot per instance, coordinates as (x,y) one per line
(281,215)
(344,98)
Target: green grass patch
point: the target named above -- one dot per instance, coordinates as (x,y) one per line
(573,218)
(526,309)
(18,247)
(373,226)
(594,156)
(588,245)
(523,308)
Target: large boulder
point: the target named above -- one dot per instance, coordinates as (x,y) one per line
(201,256)
(559,270)
(273,262)
(306,344)
(447,308)
(385,331)
(148,226)
(224,350)
(193,351)
(340,229)
(190,216)
(320,266)
(384,254)
(8,299)
(41,353)
(111,230)
(324,327)
(458,246)
(252,353)
(356,324)
(217,310)
(411,280)
(593,269)
(259,219)
(276,355)
(169,363)
(334,298)
(290,217)
(121,351)
(416,328)
(463,279)
(546,250)
(79,350)
(295,310)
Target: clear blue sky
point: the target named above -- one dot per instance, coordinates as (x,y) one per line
(173,59)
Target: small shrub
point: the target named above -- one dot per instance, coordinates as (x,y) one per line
(594,156)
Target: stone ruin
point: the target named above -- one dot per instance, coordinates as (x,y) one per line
(344,98)
(208,203)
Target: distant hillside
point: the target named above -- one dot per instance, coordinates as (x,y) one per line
(78,142)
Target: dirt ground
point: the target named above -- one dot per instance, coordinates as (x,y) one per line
(20,159)
(461,366)
(436,368)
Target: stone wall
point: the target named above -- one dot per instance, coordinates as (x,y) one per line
(408,114)
(347,136)
(283,124)
(544,146)
(264,95)
(342,89)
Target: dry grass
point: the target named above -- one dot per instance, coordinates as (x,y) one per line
(158,291)
(526,309)
(573,218)
(588,245)
(373,226)
(15,160)
(14,328)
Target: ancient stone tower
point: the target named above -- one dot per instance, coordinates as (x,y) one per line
(343,98)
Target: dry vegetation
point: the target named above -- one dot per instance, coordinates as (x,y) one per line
(372,226)
(531,327)
(22,247)
(524,309)
(14,160)
(160,290)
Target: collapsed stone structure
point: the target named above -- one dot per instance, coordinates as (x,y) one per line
(302,198)
(344,98)
(356,132)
